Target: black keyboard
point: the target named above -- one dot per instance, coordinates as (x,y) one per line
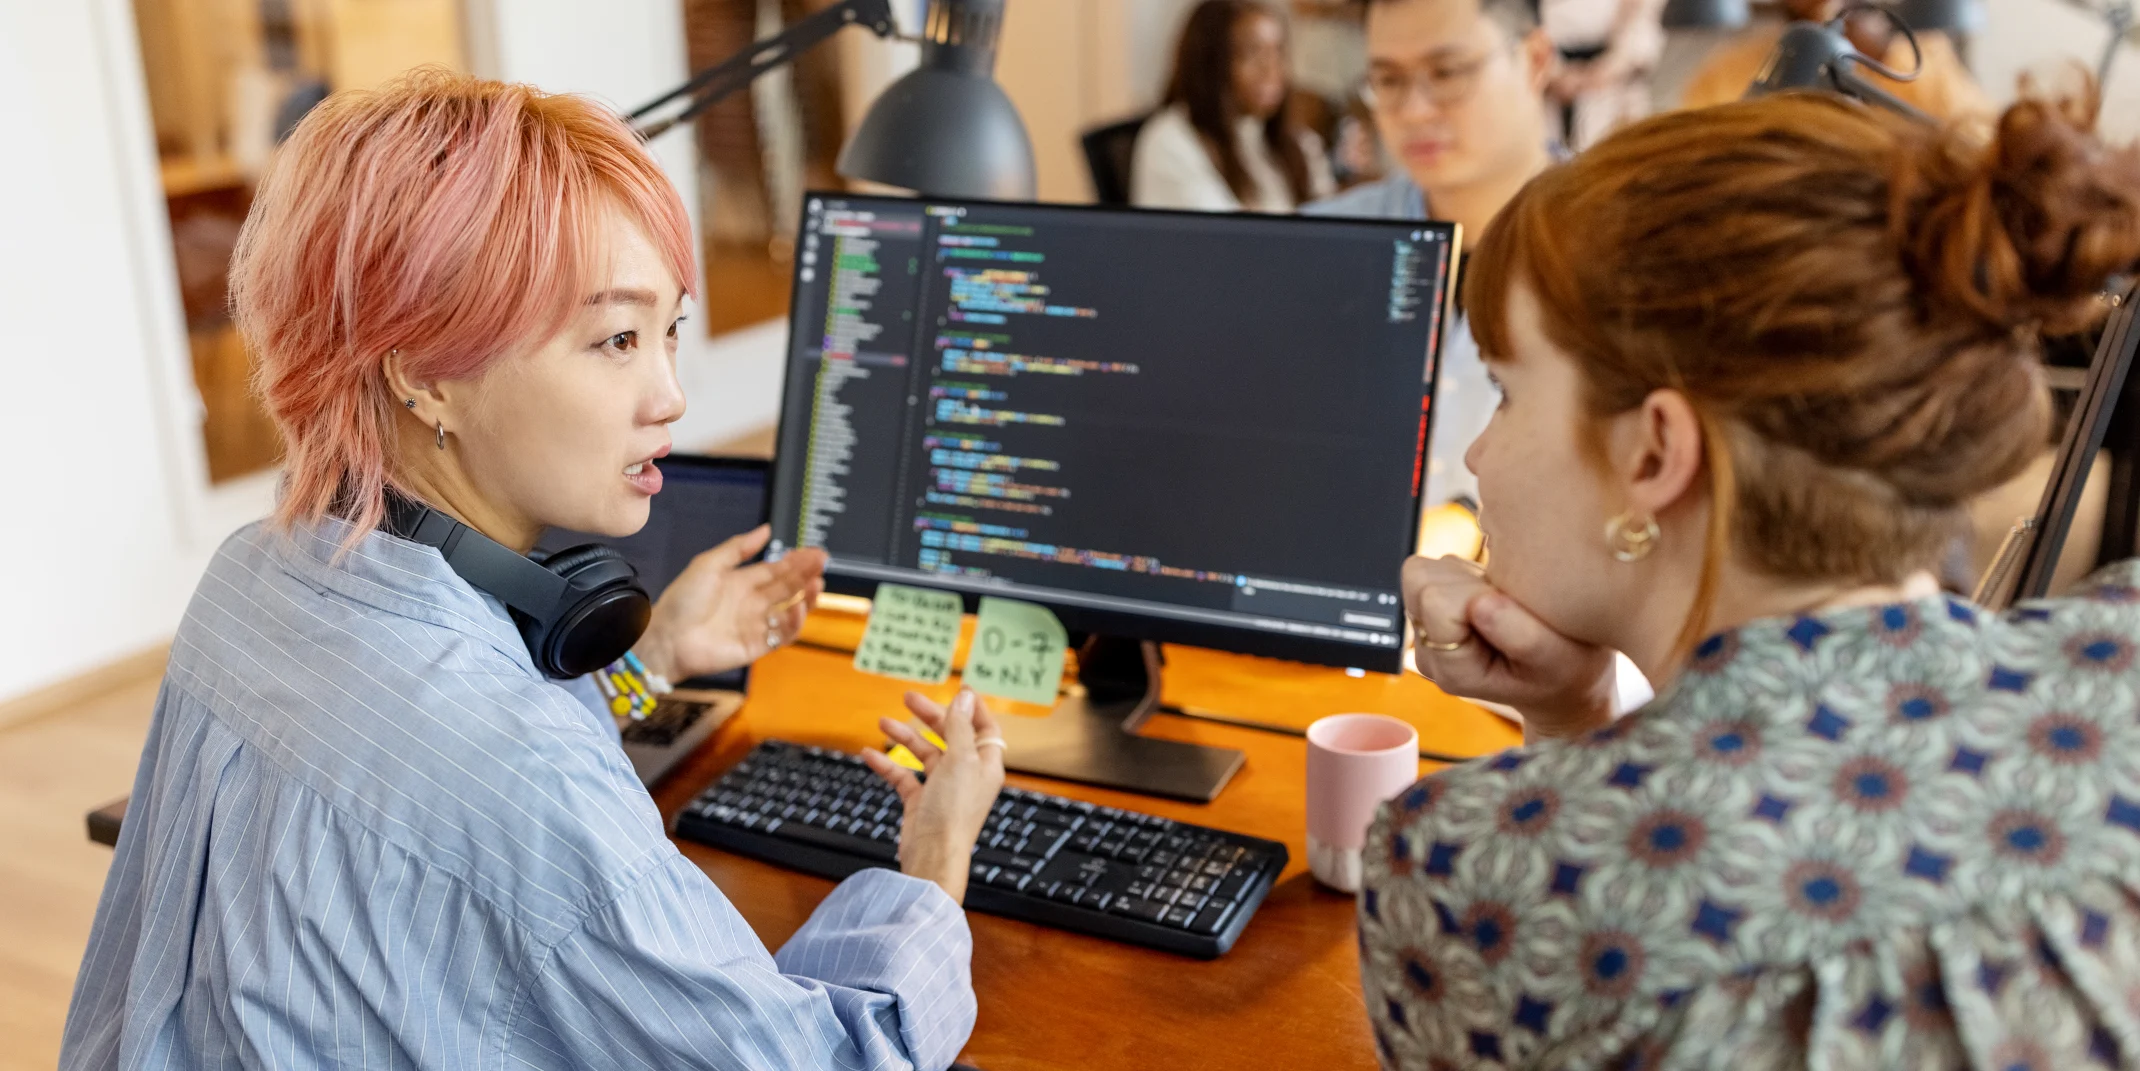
(1097,870)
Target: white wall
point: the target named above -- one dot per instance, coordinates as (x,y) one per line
(100,544)
(2039,36)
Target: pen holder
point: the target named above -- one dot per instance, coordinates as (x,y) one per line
(1355,761)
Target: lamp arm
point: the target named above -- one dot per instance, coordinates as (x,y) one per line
(1843,72)
(2119,17)
(744,67)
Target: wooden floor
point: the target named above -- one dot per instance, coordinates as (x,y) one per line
(52,771)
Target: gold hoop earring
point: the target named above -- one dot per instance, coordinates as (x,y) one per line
(442,435)
(1629,543)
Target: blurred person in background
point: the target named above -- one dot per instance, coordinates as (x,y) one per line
(1223,140)
(1608,49)
(1457,90)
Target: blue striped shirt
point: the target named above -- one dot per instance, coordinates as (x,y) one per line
(366,832)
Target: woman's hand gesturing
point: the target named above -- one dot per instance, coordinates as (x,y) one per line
(720,614)
(944,813)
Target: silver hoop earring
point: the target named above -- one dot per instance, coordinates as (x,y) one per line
(1629,542)
(442,435)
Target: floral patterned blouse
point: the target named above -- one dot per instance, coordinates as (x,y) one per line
(1897,836)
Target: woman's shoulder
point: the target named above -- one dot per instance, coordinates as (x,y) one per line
(1809,787)
(403,720)
(1167,137)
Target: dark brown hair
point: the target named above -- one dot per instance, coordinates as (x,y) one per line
(1203,85)
(1852,302)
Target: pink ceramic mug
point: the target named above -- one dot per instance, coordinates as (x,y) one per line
(1355,761)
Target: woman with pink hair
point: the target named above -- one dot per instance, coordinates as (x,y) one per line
(376,822)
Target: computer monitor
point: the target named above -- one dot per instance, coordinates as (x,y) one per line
(1164,426)
(703,502)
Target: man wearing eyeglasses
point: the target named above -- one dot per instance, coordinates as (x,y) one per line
(1457,88)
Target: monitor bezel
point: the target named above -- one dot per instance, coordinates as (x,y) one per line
(1239,639)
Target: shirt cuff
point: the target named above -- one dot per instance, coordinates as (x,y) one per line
(885,932)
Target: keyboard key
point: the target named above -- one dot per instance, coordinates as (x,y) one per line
(1178,917)
(1143,910)
(1199,884)
(1215,868)
(839,842)
(1191,900)
(1010,879)
(1047,842)
(983,872)
(1230,886)
(1212,918)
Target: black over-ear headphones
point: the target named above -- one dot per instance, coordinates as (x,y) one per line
(578,609)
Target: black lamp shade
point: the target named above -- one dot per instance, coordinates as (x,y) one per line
(1706,14)
(1953,16)
(946,129)
(946,134)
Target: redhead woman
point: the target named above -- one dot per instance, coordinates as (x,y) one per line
(368,829)
(1755,359)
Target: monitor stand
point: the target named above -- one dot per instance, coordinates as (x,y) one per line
(1093,737)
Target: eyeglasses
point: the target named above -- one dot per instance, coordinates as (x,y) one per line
(1444,84)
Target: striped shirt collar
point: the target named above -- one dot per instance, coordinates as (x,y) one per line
(396,576)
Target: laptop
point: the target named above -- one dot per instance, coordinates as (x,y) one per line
(703,501)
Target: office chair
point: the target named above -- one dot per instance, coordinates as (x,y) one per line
(1108,151)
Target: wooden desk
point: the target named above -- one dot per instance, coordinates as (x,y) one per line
(1287,995)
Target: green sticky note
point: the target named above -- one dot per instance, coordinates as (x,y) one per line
(911,635)
(1017,652)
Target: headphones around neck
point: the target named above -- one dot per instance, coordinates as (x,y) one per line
(578,609)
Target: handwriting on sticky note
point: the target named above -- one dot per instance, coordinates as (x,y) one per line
(911,635)
(1017,652)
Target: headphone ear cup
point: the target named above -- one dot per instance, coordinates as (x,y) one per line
(605,612)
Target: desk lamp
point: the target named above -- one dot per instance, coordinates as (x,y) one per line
(1819,55)
(945,128)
